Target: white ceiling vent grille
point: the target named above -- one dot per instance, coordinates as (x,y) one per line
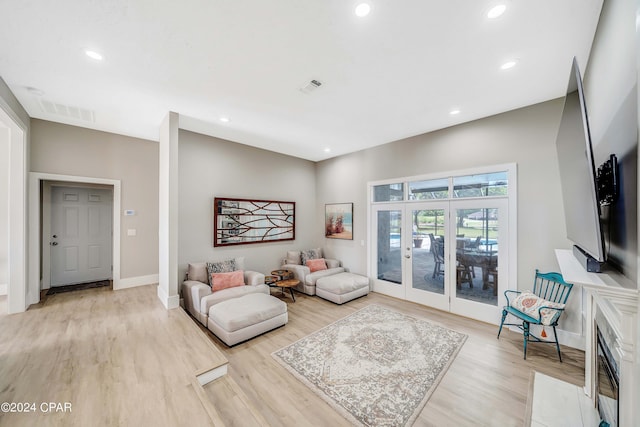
(67,111)
(311,86)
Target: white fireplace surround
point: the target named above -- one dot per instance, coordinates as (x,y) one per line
(616,298)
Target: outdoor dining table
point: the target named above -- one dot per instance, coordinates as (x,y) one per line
(486,259)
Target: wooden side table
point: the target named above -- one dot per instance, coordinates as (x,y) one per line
(289,283)
(282,279)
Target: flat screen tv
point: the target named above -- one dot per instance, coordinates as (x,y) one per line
(578,177)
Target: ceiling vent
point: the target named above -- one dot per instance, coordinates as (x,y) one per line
(311,86)
(67,111)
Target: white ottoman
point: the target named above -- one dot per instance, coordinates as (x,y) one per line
(342,287)
(239,319)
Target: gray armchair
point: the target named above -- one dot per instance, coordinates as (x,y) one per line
(198,297)
(294,263)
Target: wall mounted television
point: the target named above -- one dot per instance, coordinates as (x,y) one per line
(578,177)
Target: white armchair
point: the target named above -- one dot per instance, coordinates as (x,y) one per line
(294,263)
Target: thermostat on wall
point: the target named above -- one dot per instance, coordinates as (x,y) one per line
(129,212)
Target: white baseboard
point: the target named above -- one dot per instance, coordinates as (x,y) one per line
(132,282)
(4,289)
(570,339)
(169,302)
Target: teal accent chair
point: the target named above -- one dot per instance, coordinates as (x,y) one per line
(553,292)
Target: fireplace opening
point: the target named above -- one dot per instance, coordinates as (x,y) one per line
(607,381)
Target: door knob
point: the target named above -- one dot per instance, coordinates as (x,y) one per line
(54,243)
(407,256)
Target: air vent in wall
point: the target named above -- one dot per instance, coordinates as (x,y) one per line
(66,111)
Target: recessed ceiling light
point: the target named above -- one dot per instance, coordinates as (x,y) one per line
(508,64)
(224,119)
(454,112)
(363,9)
(496,11)
(93,55)
(327,150)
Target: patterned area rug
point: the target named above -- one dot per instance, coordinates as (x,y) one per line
(376,367)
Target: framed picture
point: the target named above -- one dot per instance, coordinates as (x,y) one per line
(243,221)
(338,221)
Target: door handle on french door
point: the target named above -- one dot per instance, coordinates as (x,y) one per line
(407,256)
(53,243)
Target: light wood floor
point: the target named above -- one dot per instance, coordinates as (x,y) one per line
(487,384)
(121,359)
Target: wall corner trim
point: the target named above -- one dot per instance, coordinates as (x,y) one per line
(169,302)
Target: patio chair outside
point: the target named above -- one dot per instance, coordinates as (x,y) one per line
(437,249)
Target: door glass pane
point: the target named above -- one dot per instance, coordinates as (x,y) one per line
(482,185)
(431,189)
(428,250)
(388,246)
(477,255)
(388,193)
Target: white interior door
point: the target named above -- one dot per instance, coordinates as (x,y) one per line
(81,235)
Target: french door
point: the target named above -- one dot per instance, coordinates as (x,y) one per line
(451,255)
(479,267)
(426,254)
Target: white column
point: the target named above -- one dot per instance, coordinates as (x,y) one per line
(18,293)
(168,212)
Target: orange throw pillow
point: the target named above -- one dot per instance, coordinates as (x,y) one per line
(220,281)
(316,264)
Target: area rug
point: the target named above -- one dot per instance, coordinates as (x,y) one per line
(376,367)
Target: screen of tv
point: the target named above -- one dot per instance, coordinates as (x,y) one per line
(578,173)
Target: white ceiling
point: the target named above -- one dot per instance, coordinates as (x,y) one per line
(396,73)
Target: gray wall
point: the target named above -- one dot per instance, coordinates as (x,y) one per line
(611,92)
(211,167)
(525,137)
(69,150)
(4,205)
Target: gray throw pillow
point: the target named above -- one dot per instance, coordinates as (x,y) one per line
(221,267)
(310,254)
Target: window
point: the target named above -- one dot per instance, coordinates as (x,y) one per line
(388,193)
(430,189)
(492,184)
(482,185)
